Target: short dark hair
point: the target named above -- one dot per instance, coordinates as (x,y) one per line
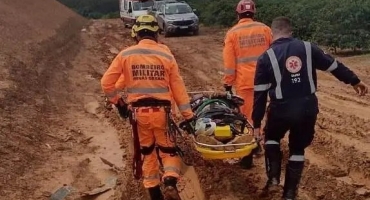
(246,15)
(281,25)
(146,33)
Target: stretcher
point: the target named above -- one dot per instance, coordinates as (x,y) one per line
(228,124)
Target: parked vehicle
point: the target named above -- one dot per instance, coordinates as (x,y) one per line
(131,9)
(176,17)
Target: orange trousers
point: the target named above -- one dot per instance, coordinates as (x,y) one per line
(247,108)
(152,129)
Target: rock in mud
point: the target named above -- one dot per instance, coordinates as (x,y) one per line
(320,195)
(337,172)
(92,107)
(61,193)
(113,50)
(363,192)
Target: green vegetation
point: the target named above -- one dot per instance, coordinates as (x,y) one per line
(343,24)
(94,8)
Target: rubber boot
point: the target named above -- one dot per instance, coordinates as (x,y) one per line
(293,176)
(155,193)
(170,189)
(273,157)
(247,162)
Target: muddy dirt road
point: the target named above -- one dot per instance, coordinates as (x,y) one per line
(339,156)
(69,131)
(338,160)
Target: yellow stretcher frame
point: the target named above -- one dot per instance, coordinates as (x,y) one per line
(209,154)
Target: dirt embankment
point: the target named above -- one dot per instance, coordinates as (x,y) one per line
(51,134)
(33,37)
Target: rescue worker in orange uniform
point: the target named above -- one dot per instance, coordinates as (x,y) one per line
(119,84)
(243,44)
(151,79)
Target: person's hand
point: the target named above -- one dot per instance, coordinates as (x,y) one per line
(258,135)
(361,88)
(122,108)
(188,125)
(229,92)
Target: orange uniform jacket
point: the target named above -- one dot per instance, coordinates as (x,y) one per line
(149,70)
(120,84)
(244,43)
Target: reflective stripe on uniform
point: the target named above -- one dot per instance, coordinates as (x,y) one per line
(277,74)
(147,90)
(229,71)
(307,45)
(246,26)
(297,158)
(262,87)
(111,94)
(184,107)
(333,66)
(152,177)
(172,169)
(246,59)
(271,142)
(146,51)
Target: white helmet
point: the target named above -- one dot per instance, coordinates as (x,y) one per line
(205,126)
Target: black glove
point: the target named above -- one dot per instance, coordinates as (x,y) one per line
(229,92)
(228,88)
(188,125)
(122,108)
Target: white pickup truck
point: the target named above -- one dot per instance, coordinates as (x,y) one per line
(131,9)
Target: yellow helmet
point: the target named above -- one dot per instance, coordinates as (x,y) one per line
(145,22)
(133,34)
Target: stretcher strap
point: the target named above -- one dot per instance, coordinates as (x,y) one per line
(176,130)
(137,161)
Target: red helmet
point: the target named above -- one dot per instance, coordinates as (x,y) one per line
(246,6)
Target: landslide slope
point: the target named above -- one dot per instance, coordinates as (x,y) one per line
(33,34)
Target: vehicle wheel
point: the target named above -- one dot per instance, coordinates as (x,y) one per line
(247,162)
(196,32)
(166,33)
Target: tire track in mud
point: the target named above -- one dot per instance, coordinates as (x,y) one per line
(343,123)
(113,37)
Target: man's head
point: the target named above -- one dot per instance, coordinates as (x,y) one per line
(246,9)
(281,27)
(146,27)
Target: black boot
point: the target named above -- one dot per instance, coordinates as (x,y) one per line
(273,157)
(293,176)
(170,189)
(155,193)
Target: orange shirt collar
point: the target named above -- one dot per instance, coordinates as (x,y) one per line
(147,41)
(245,20)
